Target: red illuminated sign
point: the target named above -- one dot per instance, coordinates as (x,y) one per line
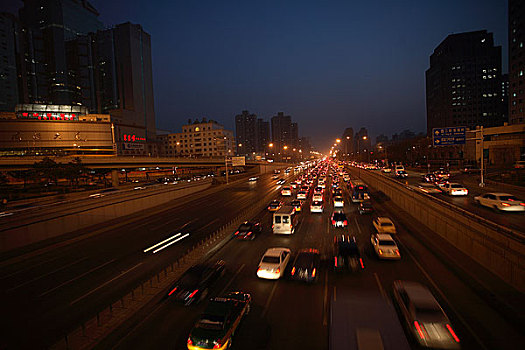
(133,138)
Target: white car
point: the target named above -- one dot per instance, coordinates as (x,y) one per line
(317,197)
(302,195)
(424,317)
(500,201)
(385,246)
(321,184)
(255,178)
(384,225)
(316,207)
(386,170)
(286,191)
(339,202)
(455,189)
(273,263)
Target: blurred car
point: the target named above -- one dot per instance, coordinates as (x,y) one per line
(384,246)
(428,188)
(384,225)
(386,170)
(318,190)
(293,184)
(273,263)
(317,197)
(297,204)
(194,284)
(248,230)
(520,164)
(275,205)
(254,178)
(469,169)
(401,174)
(219,321)
(441,183)
(306,265)
(339,202)
(302,195)
(346,254)
(316,207)
(500,202)
(339,219)
(286,191)
(429,177)
(455,189)
(338,192)
(424,317)
(365,207)
(281,181)
(442,174)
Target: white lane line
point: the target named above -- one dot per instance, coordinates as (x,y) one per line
(170,243)
(161,243)
(106,283)
(381,289)
(76,278)
(325,301)
(32,266)
(210,223)
(335,293)
(454,310)
(267,305)
(44,275)
(357,224)
(231,281)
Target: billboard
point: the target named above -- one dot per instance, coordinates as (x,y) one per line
(238,161)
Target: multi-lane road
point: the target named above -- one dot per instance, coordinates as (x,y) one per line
(291,315)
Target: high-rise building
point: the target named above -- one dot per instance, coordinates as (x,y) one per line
(516,104)
(347,141)
(463,83)
(263,136)
(9,46)
(246,133)
(281,131)
(362,142)
(294,135)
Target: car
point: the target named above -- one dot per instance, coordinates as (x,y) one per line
(286,191)
(275,205)
(365,207)
(384,246)
(281,181)
(440,183)
(401,174)
(306,265)
(386,170)
(302,195)
(219,321)
(316,207)
(317,197)
(346,254)
(318,190)
(297,204)
(429,177)
(469,169)
(428,188)
(273,263)
(293,185)
(424,317)
(337,192)
(455,189)
(339,202)
(339,219)
(442,174)
(500,202)
(384,225)
(248,230)
(275,177)
(194,284)
(520,164)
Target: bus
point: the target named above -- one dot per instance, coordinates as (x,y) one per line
(284,221)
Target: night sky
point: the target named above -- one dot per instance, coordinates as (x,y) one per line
(329,64)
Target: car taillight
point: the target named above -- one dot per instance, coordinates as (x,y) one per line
(523,204)
(236,233)
(313,273)
(273,226)
(193,293)
(293,271)
(345,222)
(361,262)
(172,291)
(505,204)
(396,251)
(190,342)
(333,222)
(380,251)
(452,333)
(278,270)
(420,330)
(217,344)
(249,233)
(335,261)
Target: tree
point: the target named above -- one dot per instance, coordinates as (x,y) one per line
(48,169)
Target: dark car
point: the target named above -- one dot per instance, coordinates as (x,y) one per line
(346,254)
(338,192)
(306,265)
(429,177)
(248,230)
(339,219)
(365,207)
(194,284)
(274,205)
(400,174)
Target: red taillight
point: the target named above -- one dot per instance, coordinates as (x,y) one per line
(293,271)
(313,273)
(172,291)
(396,251)
(190,342)
(333,222)
(236,233)
(419,330)
(505,204)
(523,204)
(217,345)
(361,262)
(278,270)
(193,293)
(335,261)
(249,233)
(452,333)
(345,222)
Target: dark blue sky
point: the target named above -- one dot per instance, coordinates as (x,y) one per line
(329,64)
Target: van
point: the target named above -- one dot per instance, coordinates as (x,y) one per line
(284,221)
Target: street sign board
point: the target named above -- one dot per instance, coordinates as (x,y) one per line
(449,136)
(238,161)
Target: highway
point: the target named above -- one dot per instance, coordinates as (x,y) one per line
(291,315)
(50,290)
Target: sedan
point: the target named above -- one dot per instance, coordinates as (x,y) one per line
(275,205)
(306,265)
(195,283)
(338,202)
(297,204)
(455,189)
(401,174)
(286,191)
(424,317)
(317,197)
(273,263)
(339,219)
(385,246)
(248,230)
(365,207)
(316,207)
(384,225)
(302,194)
(500,202)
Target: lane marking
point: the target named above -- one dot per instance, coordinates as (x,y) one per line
(104,284)
(381,289)
(76,278)
(454,310)
(170,243)
(233,278)
(267,305)
(335,293)
(32,266)
(161,243)
(357,224)
(325,301)
(45,275)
